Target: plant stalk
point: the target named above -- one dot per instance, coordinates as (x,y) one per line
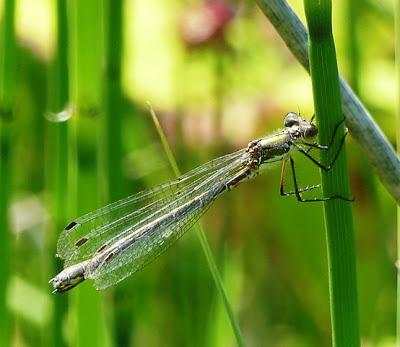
(8,58)
(86,58)
(110,151)
(57,161)
(338,213)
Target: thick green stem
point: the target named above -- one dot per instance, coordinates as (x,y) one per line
(57,161)
(7,89)
(338,213)
(86,56)
(110,151)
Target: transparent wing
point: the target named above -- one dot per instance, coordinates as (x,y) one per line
(144,248)
(95,231)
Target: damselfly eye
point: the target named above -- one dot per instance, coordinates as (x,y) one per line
(291,119)
(311,131)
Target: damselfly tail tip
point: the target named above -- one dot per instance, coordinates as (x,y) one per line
(57,285)
(53,282)
(68,278)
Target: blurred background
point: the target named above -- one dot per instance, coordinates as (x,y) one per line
(218,75)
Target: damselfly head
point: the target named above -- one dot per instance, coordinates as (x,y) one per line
(304,128)
(310,131)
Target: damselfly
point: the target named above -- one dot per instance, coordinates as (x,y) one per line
(113,242)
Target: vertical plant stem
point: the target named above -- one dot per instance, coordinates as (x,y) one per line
(338,213)
(57,163)
(86,54)
(397,62)
(7,76)
(110,150)
(86,63)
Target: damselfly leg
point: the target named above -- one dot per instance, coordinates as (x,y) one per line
(315,161)
(323,147)
(326,147)
(297,191)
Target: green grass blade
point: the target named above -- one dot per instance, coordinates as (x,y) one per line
(110,150)
(57,161)
(376,148)
(203,240)
(164,142)
(338,213)
(7,90)
(86,54)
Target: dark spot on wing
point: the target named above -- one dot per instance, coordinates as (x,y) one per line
(108,258)
(102,248)
(71,225)
(81,241)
